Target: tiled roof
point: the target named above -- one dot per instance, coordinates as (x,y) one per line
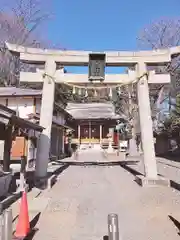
(7,114)
(54,121)
(92,111)
(13,91)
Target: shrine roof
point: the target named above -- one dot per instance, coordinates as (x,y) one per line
(54,121)
(93,111)
(7,114)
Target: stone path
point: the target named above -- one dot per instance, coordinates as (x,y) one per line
(84,196)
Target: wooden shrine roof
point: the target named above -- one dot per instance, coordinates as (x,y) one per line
(93,111)
(54,121)
(9,116)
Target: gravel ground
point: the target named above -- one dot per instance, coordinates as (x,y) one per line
(85,194)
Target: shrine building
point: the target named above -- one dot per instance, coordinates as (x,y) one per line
(93,121)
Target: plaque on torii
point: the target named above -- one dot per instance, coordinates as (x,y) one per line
(97,64)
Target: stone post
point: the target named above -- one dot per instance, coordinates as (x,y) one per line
(79,134)
(110,140)
(46,115)
(90,135)
(100,133)
(146,123)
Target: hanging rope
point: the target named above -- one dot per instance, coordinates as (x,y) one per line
(103,85)
(83,90)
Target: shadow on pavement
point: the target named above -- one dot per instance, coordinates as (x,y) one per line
(176,223)
(33,223)
(30,176)
(105,237)
(60,169)
(130,169)
(93,163)
(175,185)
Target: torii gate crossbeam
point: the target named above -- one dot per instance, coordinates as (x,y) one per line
(80,58)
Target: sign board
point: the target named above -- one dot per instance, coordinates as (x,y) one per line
(97,67)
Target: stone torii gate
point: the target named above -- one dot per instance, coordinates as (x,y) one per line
(139,59)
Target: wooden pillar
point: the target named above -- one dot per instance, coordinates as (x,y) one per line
(7,148)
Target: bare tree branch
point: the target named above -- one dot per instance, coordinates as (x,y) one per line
(163,33)
(20,23)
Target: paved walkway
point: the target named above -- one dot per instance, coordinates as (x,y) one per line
(84,196)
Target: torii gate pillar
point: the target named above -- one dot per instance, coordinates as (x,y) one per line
(46,116)
(146,123)
(146,126)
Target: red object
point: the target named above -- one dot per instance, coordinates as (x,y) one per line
(23,225)
(115,138)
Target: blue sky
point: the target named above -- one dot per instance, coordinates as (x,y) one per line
(100,25)
(105,24)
